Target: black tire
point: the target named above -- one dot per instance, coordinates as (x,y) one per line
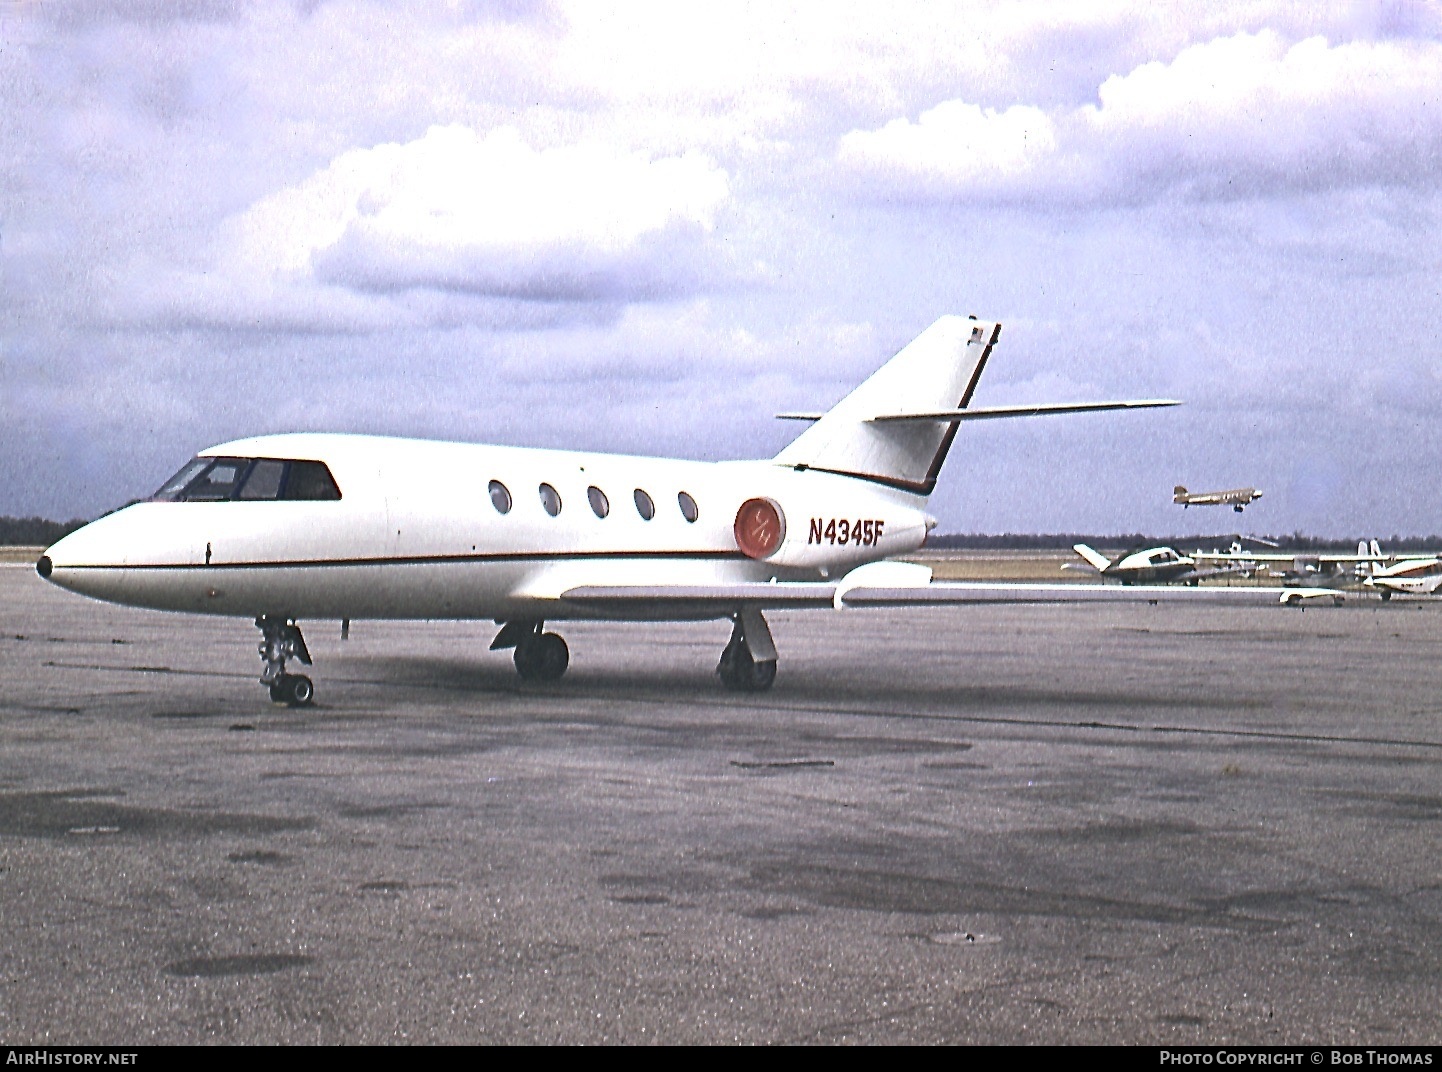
(277,690)
(299,690)
(740,672)
(543,658)
(763,676)
(1386,595)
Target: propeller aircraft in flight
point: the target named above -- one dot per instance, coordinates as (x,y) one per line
(1236,498)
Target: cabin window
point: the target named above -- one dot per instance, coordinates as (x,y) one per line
(644,506)
(550,499)
(688,507)
(600,505)
(500,497)
(265,479)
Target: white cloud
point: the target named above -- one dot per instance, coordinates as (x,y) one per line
(1240,116)
(453,189)
(956,144)
(483,217)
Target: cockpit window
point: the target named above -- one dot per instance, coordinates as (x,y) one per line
(250,479)
(264,481)
(216,482)
(172,488)
(310,480)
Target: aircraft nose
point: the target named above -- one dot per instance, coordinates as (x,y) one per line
(44,566)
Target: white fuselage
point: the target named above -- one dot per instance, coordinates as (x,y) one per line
(1154,565)
(1413,576)
(415,533)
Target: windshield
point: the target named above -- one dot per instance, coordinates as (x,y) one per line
(249,479)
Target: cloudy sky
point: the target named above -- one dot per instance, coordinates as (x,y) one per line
(646,228)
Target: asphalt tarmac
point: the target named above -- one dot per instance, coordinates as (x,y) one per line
(1122,824)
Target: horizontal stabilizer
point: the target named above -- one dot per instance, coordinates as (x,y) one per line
(1094,558)
(988,413)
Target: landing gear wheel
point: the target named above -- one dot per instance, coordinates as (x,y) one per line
(544,657)
(299,690)
(293,690)
(281,640)
(1386,595)
(739,672)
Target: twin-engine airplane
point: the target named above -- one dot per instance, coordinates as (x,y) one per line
(312,526)
(1236,498)
(1417,576)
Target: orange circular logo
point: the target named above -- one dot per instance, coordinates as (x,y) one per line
(759,528)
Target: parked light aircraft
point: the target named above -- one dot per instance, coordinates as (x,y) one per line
(1310,576)
(1419,576)
(321,526)
(1147,565)
(1236,498)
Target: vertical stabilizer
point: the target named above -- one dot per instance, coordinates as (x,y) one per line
(938,370)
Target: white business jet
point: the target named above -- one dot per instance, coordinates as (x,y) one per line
(282,528)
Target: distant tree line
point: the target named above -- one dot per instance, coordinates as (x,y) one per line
(35,531)
(1058,541)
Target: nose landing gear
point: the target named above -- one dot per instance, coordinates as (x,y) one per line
(281,640)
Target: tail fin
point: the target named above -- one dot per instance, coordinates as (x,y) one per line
(1367,555)
(1094,558)
(938,370)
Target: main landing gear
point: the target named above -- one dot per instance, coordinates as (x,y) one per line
(540,656)
(749,662)
(281,640)
(747,665)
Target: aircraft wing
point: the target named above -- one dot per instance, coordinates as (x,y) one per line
(1215,571)
(622,597)
(724,598)
(1280,556)
(963,593)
